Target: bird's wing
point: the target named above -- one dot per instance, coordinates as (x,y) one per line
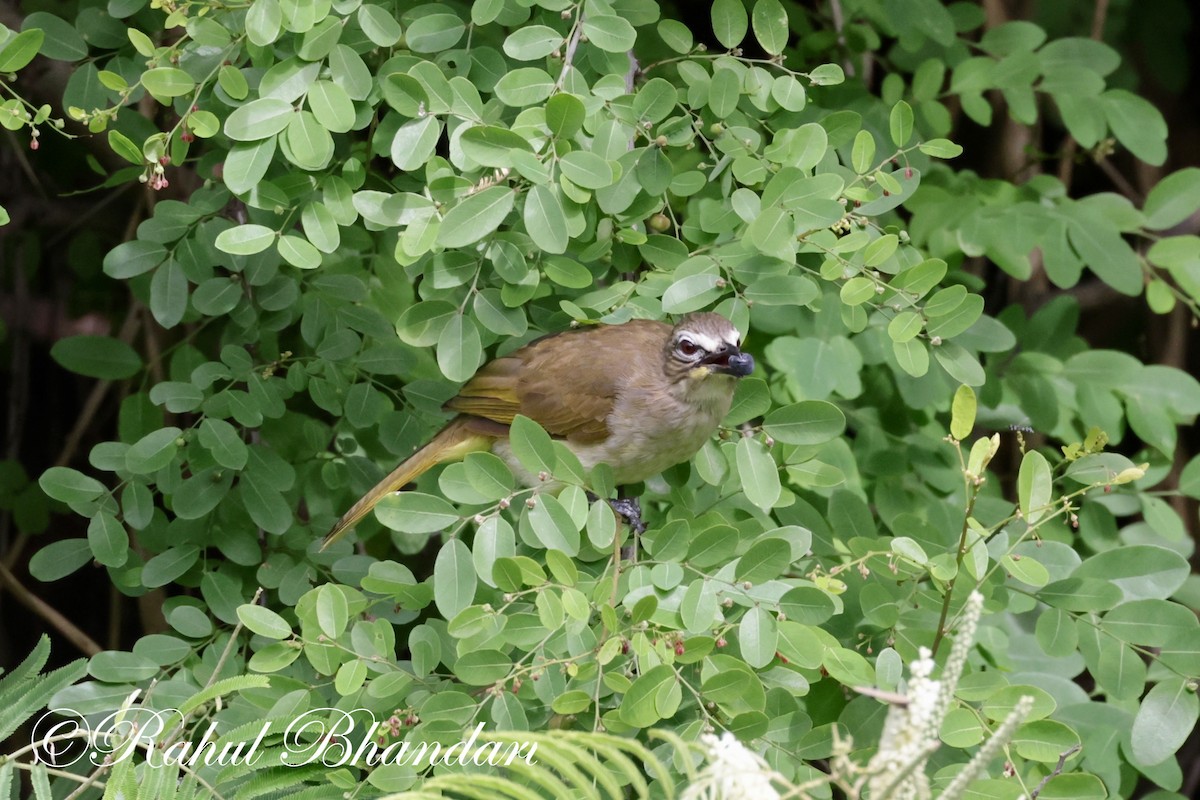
(567,382)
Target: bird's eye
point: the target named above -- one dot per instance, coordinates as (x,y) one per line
(687,347)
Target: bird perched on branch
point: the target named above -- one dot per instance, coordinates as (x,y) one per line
(641,396)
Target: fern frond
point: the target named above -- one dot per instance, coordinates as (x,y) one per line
(482,787)
(32,665)
(235,684)
(23,699)
(156,779)
(277,778)
(569,764)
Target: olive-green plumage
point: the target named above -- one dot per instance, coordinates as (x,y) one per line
(640,397)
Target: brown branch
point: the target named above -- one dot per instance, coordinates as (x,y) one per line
(40,607)
(91,407)
(1066,161)
(1062,761)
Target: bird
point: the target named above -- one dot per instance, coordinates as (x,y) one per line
(640,396)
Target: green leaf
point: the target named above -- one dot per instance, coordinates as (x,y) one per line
(1034,486)
(169,565)
(433,33)
(259,119)
(532,446)
(770,23)
(59,559)
(900,123)
(766,559)
(379,24)
(123,146)
(1137,124)
(245,240)
(1165,719)
(133,258)
(114,666)
(333,613)
(552,526)
(61,41)
(545,220)
(524,86)
(724,91)
(810,422)
(959,320)
(827,75)
(912,356)
(454,579)
(415,512)
(1081,594)
(331,106)
(962,413)
(587,169)
(940,148)
(169,294)
(1107,254)
(1025,569)
(758,637)
(264,621)
(459,349)
(609,32)
(483,667)
(21,49)
(415,142)
(759,474)
(1172,200)
(637,706)
(863,152)
(532,42)
(97,357)
(476,217)
(491,146)
(1044,740)
(790,94)
(1140,571)
(904,326)
(70,486)
(1152,623)
(691,293)
(108,540)
(233,82)
(246,164)
(167,82)
(1056,633)
(698,607)
(729,22)
(565,114)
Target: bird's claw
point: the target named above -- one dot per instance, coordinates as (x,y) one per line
(631,509)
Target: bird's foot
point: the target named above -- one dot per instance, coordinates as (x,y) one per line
(631,509)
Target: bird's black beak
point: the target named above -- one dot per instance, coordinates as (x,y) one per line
(731,361)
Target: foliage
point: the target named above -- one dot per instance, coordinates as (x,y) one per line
(387,191)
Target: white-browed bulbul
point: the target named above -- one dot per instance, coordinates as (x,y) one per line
(641,396)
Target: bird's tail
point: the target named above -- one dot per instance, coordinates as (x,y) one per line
(452,443)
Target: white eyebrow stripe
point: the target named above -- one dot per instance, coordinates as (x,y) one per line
(704,340)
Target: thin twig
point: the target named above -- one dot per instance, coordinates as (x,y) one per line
(1120,180)
(572,46)
(839,24)
(90,408)
(1062,757)
(43,609)
(1066,161)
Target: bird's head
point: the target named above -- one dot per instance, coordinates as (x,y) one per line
(703,350)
